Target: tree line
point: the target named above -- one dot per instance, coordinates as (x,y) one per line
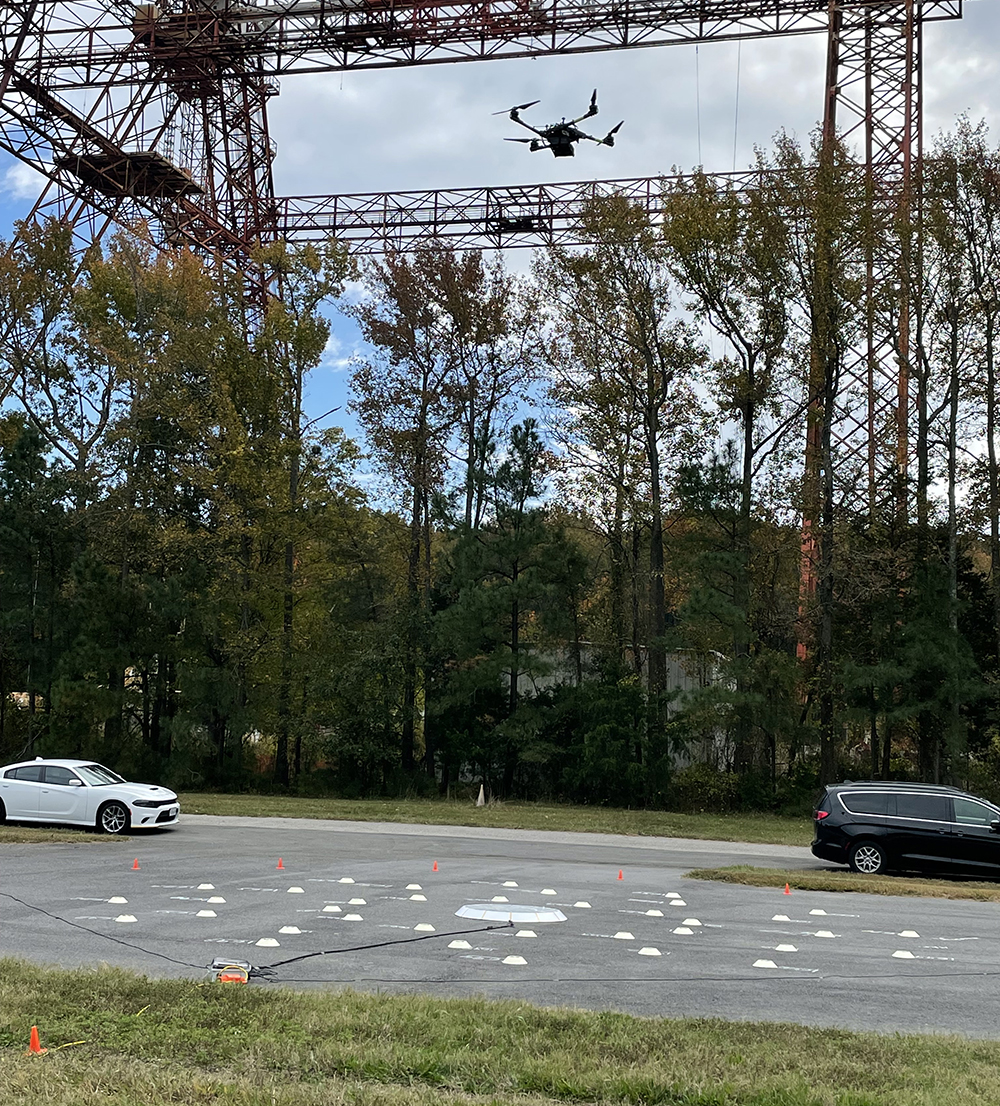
(568,487)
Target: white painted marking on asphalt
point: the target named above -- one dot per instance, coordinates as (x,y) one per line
(648,950)
(94,918)
(623,935)
(499,898)
(677,902)
(205,887)
(785,948)
(825,933)
(691,922)
(268,943)
(459,945)
(296,891)
(289,929)
(509,883)
(125,918)
(654,913)
(526,933)
(345,879)
(424,927)
(331,909)
(353,918)
(272,889)
(516,960)
(817,912)
(357,902)
(546,891)
(909,933)
(86,898)
(117,900)
(413,887)
(781,918)
(683,929)
(903,954)
(582,905)
(216,899)
(764,964)
(206,914)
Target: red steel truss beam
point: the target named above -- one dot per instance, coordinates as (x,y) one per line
(194,43)
(509,217)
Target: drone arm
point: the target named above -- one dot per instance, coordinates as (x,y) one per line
(521,123)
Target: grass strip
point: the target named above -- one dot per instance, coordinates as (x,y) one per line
(32,835)
(850,881)
(754,828)
(132,1040)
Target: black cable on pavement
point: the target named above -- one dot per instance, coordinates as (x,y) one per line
(106,936)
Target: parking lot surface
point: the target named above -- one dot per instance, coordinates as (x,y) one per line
(637,936)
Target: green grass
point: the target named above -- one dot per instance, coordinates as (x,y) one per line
(132,1041)
(31,835)
(757,828)
(850,881)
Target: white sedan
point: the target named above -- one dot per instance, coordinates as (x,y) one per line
(82,793)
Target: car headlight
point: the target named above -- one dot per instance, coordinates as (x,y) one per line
(145,802)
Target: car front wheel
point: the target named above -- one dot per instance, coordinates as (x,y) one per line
(3,814)
(113,818)
(868,858)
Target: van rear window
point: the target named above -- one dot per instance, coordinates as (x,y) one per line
(866,802)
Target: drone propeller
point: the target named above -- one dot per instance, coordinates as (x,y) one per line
(517,107)
(592,110)
(609,138)
(520,140)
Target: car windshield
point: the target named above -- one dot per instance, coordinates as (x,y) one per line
(97,775)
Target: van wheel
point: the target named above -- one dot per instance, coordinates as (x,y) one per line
(868,858)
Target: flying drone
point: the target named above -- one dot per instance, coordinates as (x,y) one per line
(559,137)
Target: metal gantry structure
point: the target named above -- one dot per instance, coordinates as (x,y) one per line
(157,114)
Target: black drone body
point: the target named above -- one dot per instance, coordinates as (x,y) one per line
(559,137)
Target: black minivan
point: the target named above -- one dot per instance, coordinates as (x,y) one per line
(878,826)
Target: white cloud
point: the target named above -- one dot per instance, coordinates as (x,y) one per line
(21,182)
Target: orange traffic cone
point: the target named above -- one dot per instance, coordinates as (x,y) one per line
(435,868)
(788,890)
(35,1045)
(135,865)
(620,874)
(280,865)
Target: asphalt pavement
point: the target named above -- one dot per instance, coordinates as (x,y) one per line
(381,899)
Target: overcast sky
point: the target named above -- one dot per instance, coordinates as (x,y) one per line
(432,127)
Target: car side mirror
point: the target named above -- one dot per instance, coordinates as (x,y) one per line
(995,825)
(79,783)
